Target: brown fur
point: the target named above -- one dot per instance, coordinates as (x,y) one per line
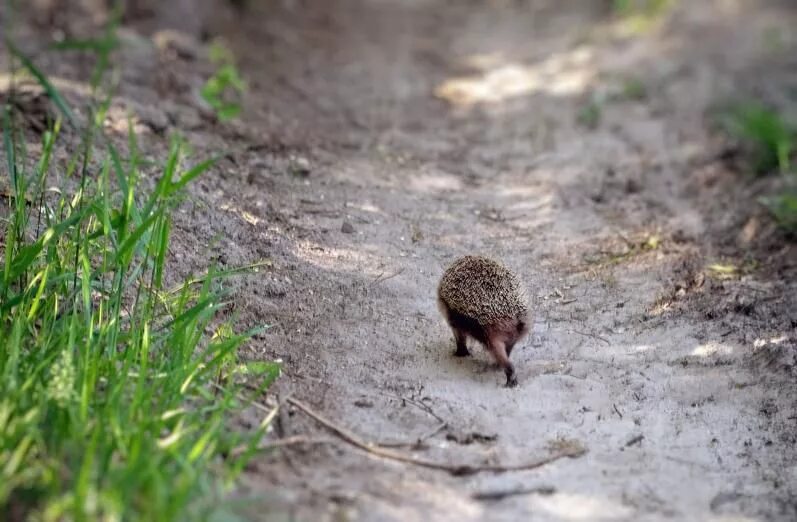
(482,299)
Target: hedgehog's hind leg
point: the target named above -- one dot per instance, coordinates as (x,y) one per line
(501,338)
(459,325)
(498,349)
(462,348)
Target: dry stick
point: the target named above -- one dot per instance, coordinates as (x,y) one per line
(463,469)
(627,241)
(282,417)
(418,443)
(8,194)
(432,433)
(259,406)
(492,496)
(418,404)
(594,336)
(280,412)
(285,441)
(634,440)
(379,279)
(424,408)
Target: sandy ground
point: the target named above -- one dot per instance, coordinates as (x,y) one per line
(384,138)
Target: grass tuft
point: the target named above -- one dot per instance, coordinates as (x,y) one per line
(640,16)
(116,392)
(223,90)
(769,139)
(770,143)
(783,207)
(590,113)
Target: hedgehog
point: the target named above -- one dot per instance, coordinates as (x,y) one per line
(482,299)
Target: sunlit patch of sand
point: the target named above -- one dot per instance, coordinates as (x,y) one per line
(563,74)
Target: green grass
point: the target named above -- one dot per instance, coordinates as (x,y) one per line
(590,113)
(118,391)
(648,8)
(783,207)
(633,89)
(640,16)
(223,90)
(768,138)
(770,143)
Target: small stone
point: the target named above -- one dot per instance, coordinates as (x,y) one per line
(183,116)
(133,42)
(155,119)
(633,186)
(347,228)
(183,45)
(300,166)
(723,498)
(417,235)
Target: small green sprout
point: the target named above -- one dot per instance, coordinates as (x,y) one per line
(223,90)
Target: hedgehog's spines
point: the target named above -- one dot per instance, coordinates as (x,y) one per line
(483,289)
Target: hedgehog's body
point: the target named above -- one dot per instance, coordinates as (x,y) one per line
(482,299)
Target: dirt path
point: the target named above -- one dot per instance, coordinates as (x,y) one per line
(384,138)
(606,225)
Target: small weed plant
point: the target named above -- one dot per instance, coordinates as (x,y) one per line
(770,142)
(223,90)
(640,16)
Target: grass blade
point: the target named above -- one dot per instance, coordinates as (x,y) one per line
(48,87)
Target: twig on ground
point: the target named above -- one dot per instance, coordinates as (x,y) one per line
(380,279)
(278,443)
(418,404)
(6,193)
(464,469)
(617,411)
(321,212)
(262,407)
(492,496)
(432,433)
(693,463)
(594,336)
(634,440)
(630,244)
(417,444)
(283,428)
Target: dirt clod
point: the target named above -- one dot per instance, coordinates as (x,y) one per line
(347,228)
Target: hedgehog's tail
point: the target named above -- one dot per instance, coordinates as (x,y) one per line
(523,324)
